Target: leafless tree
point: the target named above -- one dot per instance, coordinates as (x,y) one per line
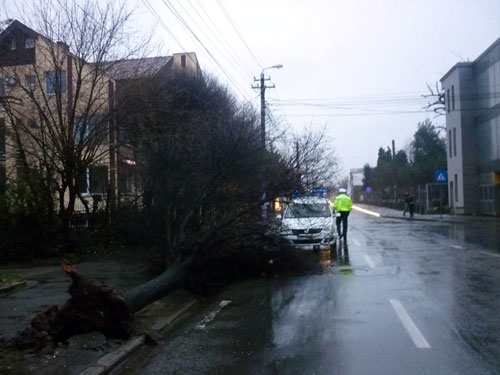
(59,102)
(315,159)
(436,100)
(204,171)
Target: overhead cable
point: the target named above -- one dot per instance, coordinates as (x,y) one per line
(183,22)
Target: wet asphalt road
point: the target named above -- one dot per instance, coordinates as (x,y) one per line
(411,297)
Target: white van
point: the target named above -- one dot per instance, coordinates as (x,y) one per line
(309,223)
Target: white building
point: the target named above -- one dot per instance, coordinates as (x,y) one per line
(472,97)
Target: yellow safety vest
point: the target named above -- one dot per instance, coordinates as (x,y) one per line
(342,203)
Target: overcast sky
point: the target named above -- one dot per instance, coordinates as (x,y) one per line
(355,60)
(358,67)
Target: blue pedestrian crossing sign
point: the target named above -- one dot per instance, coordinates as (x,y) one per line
(441,176)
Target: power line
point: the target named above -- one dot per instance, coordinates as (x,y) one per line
(179,17)
(223,41)
(237,32)
(351,114)
(162,24)
(158,18)
(231,60)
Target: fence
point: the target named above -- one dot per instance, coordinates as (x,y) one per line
(429,199)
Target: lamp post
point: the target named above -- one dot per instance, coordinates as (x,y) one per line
(263,88)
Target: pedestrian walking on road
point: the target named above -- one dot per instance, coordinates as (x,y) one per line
(343,206)
(409,205)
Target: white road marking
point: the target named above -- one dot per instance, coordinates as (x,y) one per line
(356,242)
(366,211)
(212,315)
(415,334)
(369,261)
(456,247)
(490,254)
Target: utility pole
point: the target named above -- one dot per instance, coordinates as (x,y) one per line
(265,204)
(263,88)
(297,155)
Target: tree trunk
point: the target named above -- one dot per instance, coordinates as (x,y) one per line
(144,294)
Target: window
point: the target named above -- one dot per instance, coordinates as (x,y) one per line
(487,192)
(12,45)
(123,136)
(449,142)
(3,179)
(2,87)
(455,141)
(85,128)
(30,81)
(2,139)
(10,79)
(20,155)
(29,43)
(94,180)
(456,188)
(56,82)
(452,97)
(183,61)
(298,210)
(126,179)
(448,100)
(3,175)
(451,193)
(80,130)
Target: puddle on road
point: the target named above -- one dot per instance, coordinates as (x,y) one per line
(336,261)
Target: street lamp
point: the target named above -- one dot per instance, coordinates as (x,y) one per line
(263,88)
(278,66)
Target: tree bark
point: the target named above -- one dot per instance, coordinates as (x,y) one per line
(171,279)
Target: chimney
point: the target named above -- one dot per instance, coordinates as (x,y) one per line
(63,46)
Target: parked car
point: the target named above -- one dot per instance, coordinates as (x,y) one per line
(308,223)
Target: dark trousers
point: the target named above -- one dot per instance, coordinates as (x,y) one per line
(342,219)
(409,207)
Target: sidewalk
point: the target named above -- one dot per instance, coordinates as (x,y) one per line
(88,354)
(397,214)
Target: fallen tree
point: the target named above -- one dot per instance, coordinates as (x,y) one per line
(203,171)
(94,307)
(205,182)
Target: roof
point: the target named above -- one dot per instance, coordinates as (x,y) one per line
(133,68)
(469,64)
(16,25)
(456,66)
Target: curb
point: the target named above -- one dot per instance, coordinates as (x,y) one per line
(414,218)
(111,360)
(437,220)
(108,362)
(162,323)
(12,286)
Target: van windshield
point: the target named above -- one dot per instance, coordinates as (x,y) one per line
(298,210)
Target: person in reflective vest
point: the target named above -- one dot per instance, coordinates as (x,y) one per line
(342,206)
